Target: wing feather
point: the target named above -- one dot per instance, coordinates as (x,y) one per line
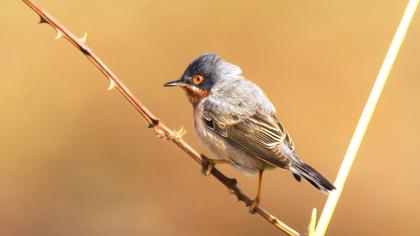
(254,131)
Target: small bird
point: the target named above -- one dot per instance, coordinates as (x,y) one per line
(236,121)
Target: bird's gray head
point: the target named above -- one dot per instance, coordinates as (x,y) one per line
(202,74)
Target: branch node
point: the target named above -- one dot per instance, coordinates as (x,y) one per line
(83,49)
(170,136)
(160,134)
(179,133)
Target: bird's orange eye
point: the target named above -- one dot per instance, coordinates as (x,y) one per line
(198,79)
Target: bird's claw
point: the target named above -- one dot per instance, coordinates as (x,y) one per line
(208,165)
(253,206)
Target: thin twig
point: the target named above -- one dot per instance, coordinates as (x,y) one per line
(160,128)
(363,123)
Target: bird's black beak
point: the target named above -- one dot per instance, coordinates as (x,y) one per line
(173,83)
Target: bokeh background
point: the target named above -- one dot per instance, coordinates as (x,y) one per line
(78,160)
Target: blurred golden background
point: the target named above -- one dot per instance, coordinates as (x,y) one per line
(78,160)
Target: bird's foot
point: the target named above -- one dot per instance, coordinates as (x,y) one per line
(253,206)
(207,166)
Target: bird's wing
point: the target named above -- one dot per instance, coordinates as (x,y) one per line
(248,128)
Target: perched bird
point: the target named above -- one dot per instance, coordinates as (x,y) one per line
(236,121)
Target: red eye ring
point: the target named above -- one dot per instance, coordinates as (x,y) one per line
(198,79)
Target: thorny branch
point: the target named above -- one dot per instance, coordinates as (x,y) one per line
(160,128)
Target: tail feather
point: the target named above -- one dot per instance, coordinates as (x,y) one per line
(312,176)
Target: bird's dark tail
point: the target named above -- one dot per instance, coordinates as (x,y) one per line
(312,176)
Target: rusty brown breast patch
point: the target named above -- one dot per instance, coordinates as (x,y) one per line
(195,94)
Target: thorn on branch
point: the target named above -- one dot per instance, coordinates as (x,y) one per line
(155,122)
(83,39)
(233,182)
(42,20)
(81,45)
(59,35)
(238,197)
(111,85)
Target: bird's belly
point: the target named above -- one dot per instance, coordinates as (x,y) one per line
(224,150)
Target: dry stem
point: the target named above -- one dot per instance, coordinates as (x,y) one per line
(148,116)
(365,117)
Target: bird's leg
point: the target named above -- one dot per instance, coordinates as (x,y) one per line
(256,201)
(209,164)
